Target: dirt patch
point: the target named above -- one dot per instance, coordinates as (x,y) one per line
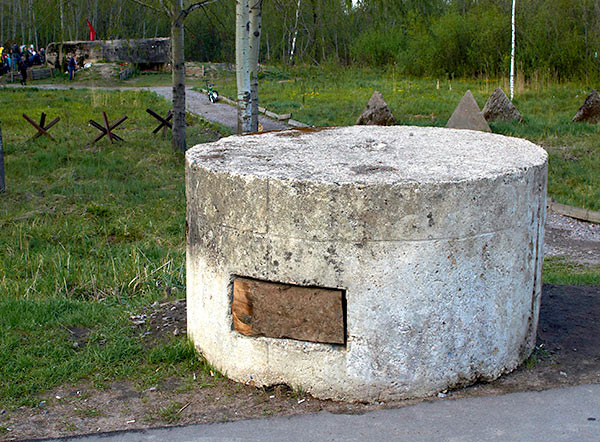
(78,336)
(568,353)
(568,345)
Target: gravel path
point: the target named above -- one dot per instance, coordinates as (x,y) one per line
(219,112)
(576,240)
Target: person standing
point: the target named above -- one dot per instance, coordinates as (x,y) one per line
(71,68)
(16,56)
(23,70)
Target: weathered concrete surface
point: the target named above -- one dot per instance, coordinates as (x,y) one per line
(147,50)
(435,234)
(467,115)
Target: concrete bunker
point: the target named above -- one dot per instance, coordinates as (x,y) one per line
(430,238)
(152,53)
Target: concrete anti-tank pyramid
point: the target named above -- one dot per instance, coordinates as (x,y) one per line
(467,115)
(377,112)
(590,109)
(500,108)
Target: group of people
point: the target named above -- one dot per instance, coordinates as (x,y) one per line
(19,58)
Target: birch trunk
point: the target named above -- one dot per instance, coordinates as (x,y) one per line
(35,32)
(242,58)
(62,37)
(178,76)
(255,16)
(13,15)
(22,23)
(293,49)
(512,53)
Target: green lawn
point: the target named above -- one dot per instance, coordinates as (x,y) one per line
(88,235)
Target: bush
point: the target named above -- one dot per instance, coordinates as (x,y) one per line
(378,47)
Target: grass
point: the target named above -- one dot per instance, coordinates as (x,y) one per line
(538,355)
(333,96)
(558,270)
(91,235)
(88,235)
(170,413)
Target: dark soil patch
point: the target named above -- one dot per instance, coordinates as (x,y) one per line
(78,336)
(568,353)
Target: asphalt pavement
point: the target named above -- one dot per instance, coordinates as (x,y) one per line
(565,414)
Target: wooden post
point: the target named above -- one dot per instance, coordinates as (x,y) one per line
(2,181)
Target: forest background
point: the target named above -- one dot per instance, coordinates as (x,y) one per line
(559,39)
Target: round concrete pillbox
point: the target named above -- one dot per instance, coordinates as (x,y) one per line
(365,263)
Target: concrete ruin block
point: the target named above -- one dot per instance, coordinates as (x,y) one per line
(434,236)
(377,112)
(467,115)
(500,108)
(590,109)
(150,51)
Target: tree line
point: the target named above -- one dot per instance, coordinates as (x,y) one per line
(420,37)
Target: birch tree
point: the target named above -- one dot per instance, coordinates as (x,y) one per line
(247,48)
(512,52)
(293,49)
(255,17)
(177,12)
(242,66)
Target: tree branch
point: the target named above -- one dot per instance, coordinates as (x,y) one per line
(146,5)
(216,17)
(165,8)
(194,6)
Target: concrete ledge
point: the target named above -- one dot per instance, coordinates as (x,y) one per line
(574,212)
(295,123)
